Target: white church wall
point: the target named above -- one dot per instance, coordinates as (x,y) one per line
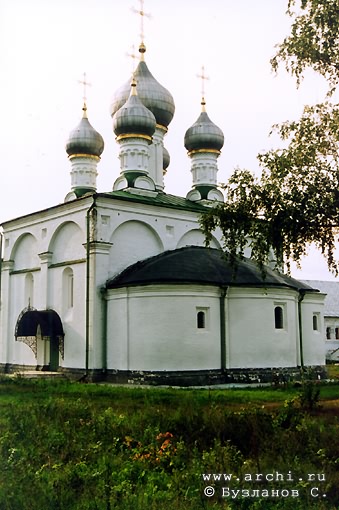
(159,326)
(67,243)
(19,299)
(195,237)
(118,329)
(313,329)
(138,231)
(25,252)
(22,354)
(132,241)
(34,243)
(99,268)
(71,310)
(251,338)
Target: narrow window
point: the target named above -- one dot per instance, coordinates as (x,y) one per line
(68,289)
(29,288)
(315,322)
(328,333)
(279,317)
(201,320)
(337,333)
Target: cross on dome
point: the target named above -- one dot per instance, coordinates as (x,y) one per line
(203,78)
(143,14)
(133,56)
(86,84)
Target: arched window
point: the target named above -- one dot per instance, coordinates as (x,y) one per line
(279,317)
(68,288)
(201,320)
(29,289)
(315,322)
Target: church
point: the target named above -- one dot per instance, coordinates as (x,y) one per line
(119,285)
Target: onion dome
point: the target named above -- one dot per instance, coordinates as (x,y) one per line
(153,95)
(204,134)
(84,139)
(133,118)
(165,159)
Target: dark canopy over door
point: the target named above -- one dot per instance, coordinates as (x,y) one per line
(51,329)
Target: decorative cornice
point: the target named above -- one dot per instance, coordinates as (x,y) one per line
(89,156)
(46,256)
(102,247)
(133,135)
(28,270)
(7,265)
(67,263)
(161,127)
(202,151)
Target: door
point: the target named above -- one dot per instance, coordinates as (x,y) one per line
(54,354)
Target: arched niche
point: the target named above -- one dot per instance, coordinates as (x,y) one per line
(25,253)
(195,237)
(67,243)
(132,241)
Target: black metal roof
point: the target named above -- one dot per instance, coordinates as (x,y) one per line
(48,320)
(200,265)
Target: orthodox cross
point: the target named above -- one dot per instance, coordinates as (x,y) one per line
(85,84)
(203,78)
(142,14)
(133,56)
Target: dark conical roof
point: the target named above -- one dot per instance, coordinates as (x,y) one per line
(84,139)
(153,95)
(200,265)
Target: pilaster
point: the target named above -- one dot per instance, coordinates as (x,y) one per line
(43,298)
(98,270)
(5,298)
(156,165)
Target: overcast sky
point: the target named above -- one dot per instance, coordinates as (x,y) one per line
(47,45)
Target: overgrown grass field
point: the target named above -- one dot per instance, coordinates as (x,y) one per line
(73,446)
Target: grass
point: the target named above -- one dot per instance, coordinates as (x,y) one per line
(94,446)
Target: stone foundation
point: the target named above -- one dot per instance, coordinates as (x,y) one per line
(246,376)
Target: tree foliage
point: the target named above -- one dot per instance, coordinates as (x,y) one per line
(295,202)
(313,42)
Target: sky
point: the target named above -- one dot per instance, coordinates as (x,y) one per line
(47,45)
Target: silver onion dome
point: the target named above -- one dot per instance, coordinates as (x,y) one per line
(153,95)
(133,117)
(204,134)
(84,139)
(166,158)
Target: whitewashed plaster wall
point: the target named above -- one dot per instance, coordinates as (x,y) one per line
(251,337)
(313,339)
(155,328)
(254,342)
(195,237)
(47,242)
(28,243)
(137,231)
